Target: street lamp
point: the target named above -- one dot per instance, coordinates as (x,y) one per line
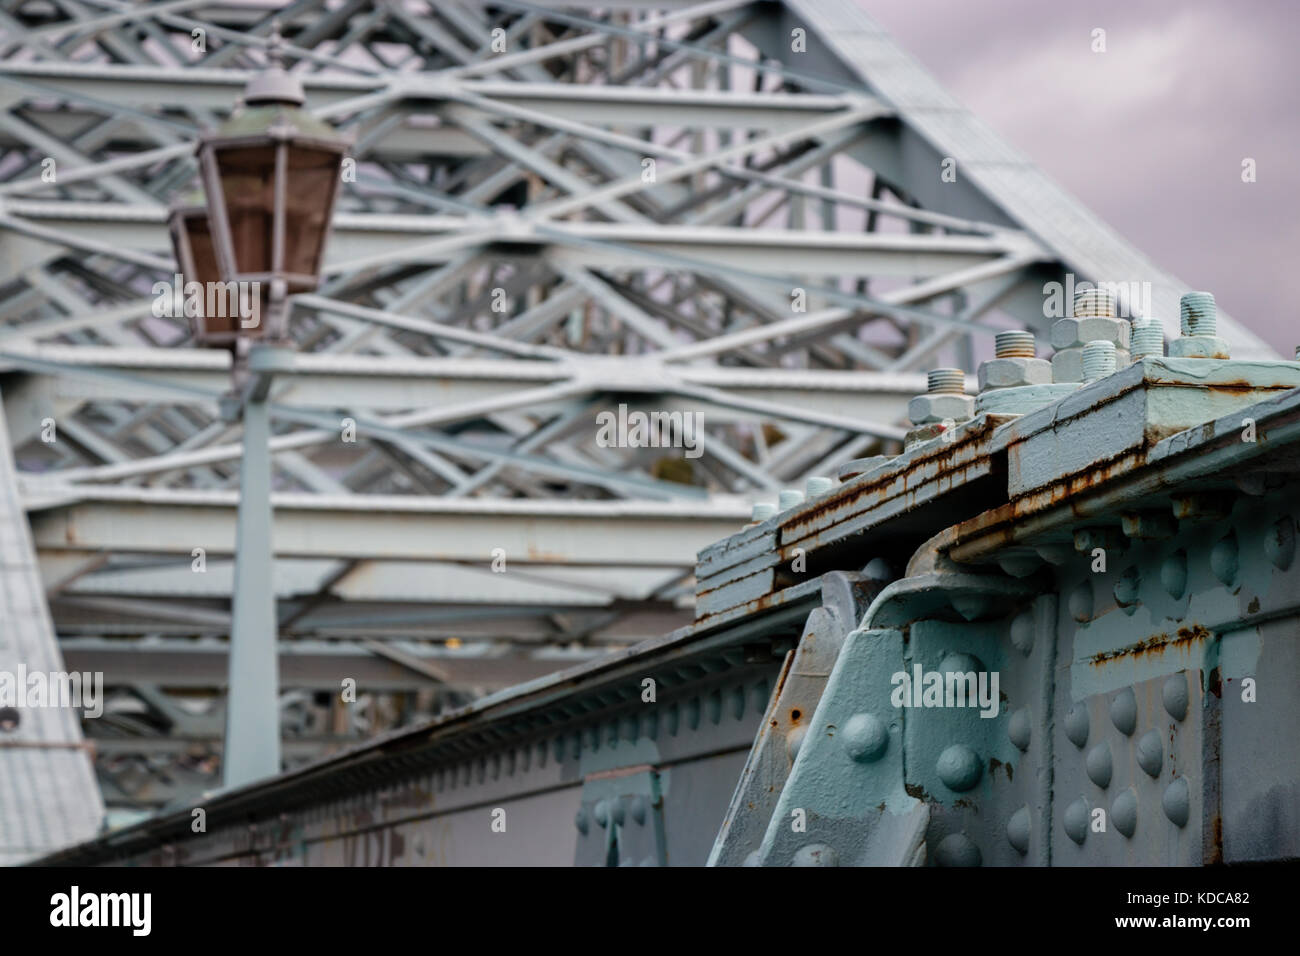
(271,174)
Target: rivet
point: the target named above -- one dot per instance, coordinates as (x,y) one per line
(794,740)
(1151,753)
(959,768)
(960,663)
(1123,812)
(1075,821)
(1019,729)
(1080,602)
(1173,574)
(580,821)
(1076,725)
(602,813)
(639,806)
(1099,766)
(1018,830)
(1022,632)
(816,854)
(1177,802)
(1126,590)
(1174,696)
(865,738)
(1223,558)
(1279,542)
(957,849)
(1123,711)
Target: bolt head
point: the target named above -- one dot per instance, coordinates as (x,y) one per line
(1198,346)
(1077,332)
(938,406)
(1014,372)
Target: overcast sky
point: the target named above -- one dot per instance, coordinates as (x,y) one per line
(1150,134)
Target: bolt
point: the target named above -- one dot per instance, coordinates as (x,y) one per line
(1014,344)
(789,498)
(762,511)
(818,485)
(1197,314)
(1148,339)
(946,381)
(1094,303)
(1098,360)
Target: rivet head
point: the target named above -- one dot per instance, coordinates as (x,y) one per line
(1173,574)
(1223,558)
(1151,753)
(957,849)
(580,821)
(1018,830)
(602,813)
(1080,602)
(1076,725)
(639,807)
(1174,695)
(1279,542)
(1123,711)
(865,737)
(1022,632)
(816,854)
(1019,729)
(1124,812)
(1075,821)
(1098,764)
(794,740)
(959,768)
(1177,802)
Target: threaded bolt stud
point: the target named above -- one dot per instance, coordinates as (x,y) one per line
(1148,339)
(1014,344)
(1098,360)
(946,380)
(1197,314)
(1094,303)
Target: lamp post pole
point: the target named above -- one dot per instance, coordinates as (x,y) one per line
(270,176)
(252,745)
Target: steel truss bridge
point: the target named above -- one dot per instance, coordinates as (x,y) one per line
(763,212)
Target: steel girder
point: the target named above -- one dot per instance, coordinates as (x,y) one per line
(554,212)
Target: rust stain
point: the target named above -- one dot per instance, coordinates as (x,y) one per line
(1154,646)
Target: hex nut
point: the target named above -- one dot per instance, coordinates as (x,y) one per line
(1014,372)
(938,406)
(1198,346)
(1077,332)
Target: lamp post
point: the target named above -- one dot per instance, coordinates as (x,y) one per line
(271,175)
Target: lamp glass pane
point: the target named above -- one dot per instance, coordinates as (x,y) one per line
(313,174)
(248,186)
(208,275)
